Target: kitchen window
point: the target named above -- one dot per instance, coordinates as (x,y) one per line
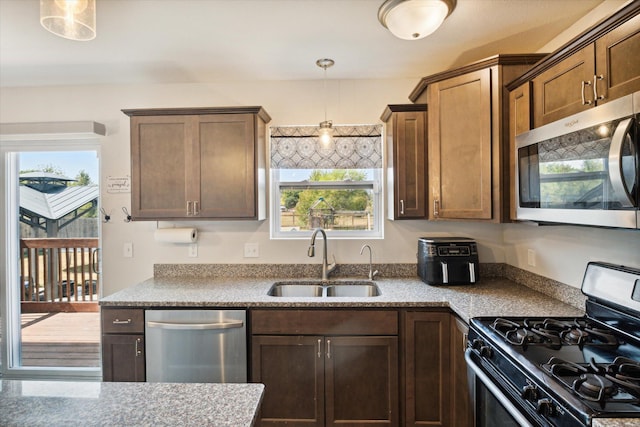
(335,185)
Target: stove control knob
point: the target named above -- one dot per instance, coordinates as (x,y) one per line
(545,407)
(477,343)
(486,351)
(529,392)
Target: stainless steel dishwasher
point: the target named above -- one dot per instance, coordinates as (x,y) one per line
(196,346)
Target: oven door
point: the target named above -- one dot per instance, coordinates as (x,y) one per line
(492,407)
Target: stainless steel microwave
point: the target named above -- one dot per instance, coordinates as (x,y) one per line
(583,169)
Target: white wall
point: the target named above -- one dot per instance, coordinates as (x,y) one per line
(222,242)
(561,252)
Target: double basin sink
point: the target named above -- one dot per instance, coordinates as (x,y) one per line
(319,289)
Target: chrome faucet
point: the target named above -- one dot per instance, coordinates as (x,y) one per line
(326,267)
(372,273)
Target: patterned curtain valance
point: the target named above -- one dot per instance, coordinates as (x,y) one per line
(352,147)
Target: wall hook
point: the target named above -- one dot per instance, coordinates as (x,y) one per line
(107,216)
(126,214)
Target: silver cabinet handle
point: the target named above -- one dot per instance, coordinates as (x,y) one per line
(196,208)
(401,207)
(585,84)
(138,347)
(328,349)
(465,337)
(121,322)
(615,163)
(195,326)
(188,207)
(319,348)
(436,208)
(597,97)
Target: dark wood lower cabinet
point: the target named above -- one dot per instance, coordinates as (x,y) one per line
(123,357)
(461,409)
(426,368)
(313,378)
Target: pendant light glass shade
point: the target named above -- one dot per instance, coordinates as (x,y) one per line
(414,19)
(326,126)
(71,19)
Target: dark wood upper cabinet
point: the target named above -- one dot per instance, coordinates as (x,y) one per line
(406,139)
(198,163)
(599,65)
(468,138)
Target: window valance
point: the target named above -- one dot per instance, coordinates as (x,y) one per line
(352,147)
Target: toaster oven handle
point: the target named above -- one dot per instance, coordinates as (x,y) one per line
(615,163)
(445,272)
(472,272)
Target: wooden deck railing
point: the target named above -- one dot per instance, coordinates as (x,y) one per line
(59,275)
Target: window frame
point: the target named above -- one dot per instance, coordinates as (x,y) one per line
(376,184)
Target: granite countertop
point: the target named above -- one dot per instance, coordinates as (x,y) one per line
(65,403)
(488,297)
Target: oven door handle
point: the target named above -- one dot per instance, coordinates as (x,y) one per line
(502,398)
(616,175)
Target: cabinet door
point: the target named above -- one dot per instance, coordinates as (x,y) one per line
(160,152)
(519,122)
(564,89)
(224,162)
(460,147)
(123,358)
(427,367)
(292,370)
(361,381)
(461,409)
(618,61)
(407,152)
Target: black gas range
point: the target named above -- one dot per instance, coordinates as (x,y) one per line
(540,371)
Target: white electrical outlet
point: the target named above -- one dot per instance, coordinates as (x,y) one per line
(251,250)
(127,250)
(531,257)
(193,250)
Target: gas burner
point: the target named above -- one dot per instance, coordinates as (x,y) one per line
(598,382)
(523,335)
(594,387)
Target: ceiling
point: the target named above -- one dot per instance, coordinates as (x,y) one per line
(196,41)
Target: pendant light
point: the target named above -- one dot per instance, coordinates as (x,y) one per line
(414,19)
(70,19)
(326,126)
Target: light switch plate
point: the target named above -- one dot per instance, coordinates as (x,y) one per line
(193,250)
(127,250)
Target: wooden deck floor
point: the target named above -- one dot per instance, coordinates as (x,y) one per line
(61,339)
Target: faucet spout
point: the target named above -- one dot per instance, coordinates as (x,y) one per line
(326,267)
(372,273)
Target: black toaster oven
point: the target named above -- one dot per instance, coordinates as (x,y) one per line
(447,260)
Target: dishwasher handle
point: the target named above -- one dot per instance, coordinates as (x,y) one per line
(196,326)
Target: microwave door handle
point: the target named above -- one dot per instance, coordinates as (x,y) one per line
(615,163)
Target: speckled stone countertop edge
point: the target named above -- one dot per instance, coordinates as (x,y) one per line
(489,297)
(76,403)
(615,422)
(557,290)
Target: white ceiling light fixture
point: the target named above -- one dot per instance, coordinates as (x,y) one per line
(326,127)
(70,19)
(414,19)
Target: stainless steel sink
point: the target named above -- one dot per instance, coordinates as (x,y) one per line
(364,290)
(318,289)
(295,290)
